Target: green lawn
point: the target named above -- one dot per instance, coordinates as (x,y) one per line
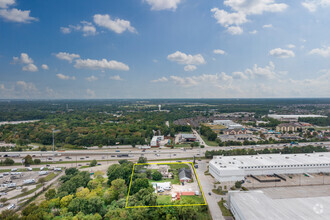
(173,181)
(51,176)
(193,199)
(182,145)
(224,210)
(163,200)
(210,143)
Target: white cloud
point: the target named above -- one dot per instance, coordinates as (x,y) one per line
(267,26)
(17,15)
(291,46)
(226,19)
(65,30)
(117,25)
(312,5)
(162,79)
(324,52)
(241,9)
(26,86)
(239,75)
(158,5)
(187,59)
(87,28)
(30,68)
(90,93)
(265,72)
(67,56)
(65,77)
(6,3)
(155,61)
(45,67)
(92,78)
(256,6)
(116,77)
(100,64)
(253,32)
(190,68)
(235,30)
(26,61)
(281,53)
(218,51)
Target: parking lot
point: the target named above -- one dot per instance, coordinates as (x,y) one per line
(291,180)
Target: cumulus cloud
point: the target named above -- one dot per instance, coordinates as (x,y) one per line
(281,53)
(235,30)
(324,52)
(14,14)
(186,59)
(92,78)
(65,77)
(117,25)
(190,68)
(255,7)
(239,75)
(218,51)
(6,3)
(116,77)
(87,28)
(226,19)
(45,67)
(162,79)
(158,5)
(100,64)
(26,61)
(241,9)
(30,68)
(312,5)
(67,56)
(253,32)
(264,72)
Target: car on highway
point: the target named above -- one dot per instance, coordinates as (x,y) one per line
(117,150)
(210,194)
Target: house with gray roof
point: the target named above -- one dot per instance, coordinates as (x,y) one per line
(185,175)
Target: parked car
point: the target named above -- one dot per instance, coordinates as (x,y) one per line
(210,194)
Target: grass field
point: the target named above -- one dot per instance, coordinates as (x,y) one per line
(51,176)
(163,200)
(224,210)
(195,199)
(210,143)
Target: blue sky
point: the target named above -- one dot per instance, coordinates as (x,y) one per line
(164,49)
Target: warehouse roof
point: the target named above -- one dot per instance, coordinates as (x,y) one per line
(234,162)
(256,205)
(188,136)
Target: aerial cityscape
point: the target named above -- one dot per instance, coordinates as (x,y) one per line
(164,109)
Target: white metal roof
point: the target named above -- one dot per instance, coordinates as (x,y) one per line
(256,205)
(232,162)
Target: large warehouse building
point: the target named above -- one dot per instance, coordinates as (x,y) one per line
(256,205)
(235,168)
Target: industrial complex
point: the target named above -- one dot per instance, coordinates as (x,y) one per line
(236,168)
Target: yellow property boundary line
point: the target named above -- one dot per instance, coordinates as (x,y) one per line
(129,189)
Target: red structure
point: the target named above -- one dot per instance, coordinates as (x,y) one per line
(187,193)
(177,196)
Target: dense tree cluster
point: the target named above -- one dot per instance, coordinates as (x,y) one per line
(208,133)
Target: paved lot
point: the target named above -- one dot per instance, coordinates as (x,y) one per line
(207,183)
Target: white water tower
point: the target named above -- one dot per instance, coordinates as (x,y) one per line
(159,107)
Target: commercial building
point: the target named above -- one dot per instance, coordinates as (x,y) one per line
(236,168)
(256,205)
(293,117)
(155,141)
(188,138)
(228,123)
(285,127)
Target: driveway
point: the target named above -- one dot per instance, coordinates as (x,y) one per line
(207,184)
